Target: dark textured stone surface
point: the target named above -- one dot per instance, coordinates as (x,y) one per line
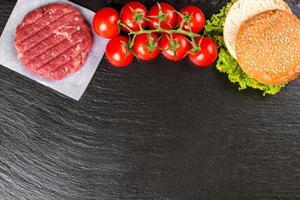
(155,130)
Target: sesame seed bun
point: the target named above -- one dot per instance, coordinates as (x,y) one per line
(241,11)
(268,47)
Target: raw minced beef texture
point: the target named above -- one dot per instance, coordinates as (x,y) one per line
(53,41)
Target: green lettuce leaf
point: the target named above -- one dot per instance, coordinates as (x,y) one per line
(226,63)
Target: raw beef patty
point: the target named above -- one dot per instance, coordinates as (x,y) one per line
(53,41)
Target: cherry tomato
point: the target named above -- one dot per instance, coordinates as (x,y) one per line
(207,54)
(117,52)
(174,47)
(146,46)
(167,15)
(195,16)
(105,23)
(132,14)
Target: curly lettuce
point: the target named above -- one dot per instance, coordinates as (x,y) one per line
(226,63)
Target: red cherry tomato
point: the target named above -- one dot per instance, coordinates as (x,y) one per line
(207,54)
(196,19)
(132,14)
(146,46)
(167,13)
(174,47)
(105,23)
(118,53)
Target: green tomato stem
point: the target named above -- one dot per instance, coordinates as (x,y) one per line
(159,30)
(134,34)
(131,43)
(191,35)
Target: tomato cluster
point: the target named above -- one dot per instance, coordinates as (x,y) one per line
(174,34)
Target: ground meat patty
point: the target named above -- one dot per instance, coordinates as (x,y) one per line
(53,41)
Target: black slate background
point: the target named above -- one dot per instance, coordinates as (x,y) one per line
(156,130)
